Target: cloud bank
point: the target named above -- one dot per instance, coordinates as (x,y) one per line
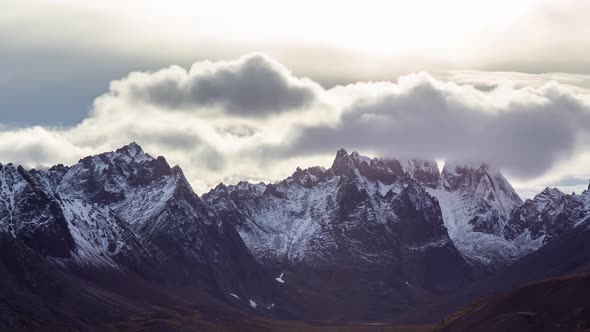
(252,119)
(254,85)
(525,131)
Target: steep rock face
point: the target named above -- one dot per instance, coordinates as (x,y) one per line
(125,210)
(476,201)
(31,215)
(424,171)
(492,196)
(548,215)
(364,223)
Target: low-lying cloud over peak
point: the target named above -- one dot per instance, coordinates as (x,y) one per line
(252,119)
(525,131)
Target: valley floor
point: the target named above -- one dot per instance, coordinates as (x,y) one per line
(194,320)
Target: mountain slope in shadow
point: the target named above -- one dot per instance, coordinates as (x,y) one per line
(561,304)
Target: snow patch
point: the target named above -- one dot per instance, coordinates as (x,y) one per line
(477,246)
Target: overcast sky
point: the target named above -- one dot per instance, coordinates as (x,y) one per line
(235,90)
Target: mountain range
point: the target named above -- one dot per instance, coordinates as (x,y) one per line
(121,238)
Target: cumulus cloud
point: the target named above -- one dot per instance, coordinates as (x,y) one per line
(254,85)
(252,119)
(37,146)
(525,130)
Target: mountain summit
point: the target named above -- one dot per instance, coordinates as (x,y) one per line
(476,201)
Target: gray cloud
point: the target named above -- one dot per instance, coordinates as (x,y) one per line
(255,85)
(485,86)
(239,130)
(169,139)
(200,152)
(525,137)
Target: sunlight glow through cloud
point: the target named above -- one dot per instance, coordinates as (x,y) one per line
(385,27)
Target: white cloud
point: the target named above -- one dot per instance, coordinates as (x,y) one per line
(38,146)
(252,119)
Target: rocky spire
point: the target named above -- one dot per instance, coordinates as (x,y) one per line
(481,182)
(132,149)
(342,164)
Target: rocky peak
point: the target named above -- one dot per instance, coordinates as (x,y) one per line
(112,176)
(59,168)
(550,192)
(221,187)
(426,172)
(358,158)
(342,164)
(476,202)
(388,170)
(224,195)
(548,215)
(30,215)
(460,175)
(10,181)
(123,159)
(130,153)
(132,149)
(310,176)
(547,196)
(481,182)
(6,166)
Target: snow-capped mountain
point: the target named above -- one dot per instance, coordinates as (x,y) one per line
(476,201)
(489,223)
(28,213)
(127,211)
(289,219)
(549,214)
(365,221)
(301,218)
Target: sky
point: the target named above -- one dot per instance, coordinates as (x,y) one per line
(235,90)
